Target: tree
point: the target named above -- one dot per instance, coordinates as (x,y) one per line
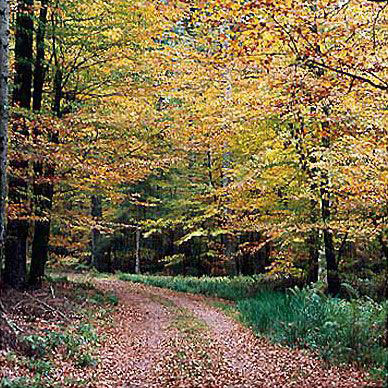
(18,223)
(84,69)
(4,112)
(43,169)
(310,71)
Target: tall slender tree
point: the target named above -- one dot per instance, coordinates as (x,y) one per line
(39,69)
(4,73)
(18,224)
(43,171)
(22,92)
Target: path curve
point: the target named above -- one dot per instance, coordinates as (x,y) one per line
(161,339)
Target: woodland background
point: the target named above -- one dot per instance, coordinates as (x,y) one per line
(238,146)
(198,138)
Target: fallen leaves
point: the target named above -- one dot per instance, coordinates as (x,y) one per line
(159,338)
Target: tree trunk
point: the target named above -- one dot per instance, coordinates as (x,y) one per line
(137,264)
(4,112)
(333,280)
(17,226)
(23,54)
(322,265)
(313,268)
(43,187)
(98,259)
(43,193)
(39,71)
(58,79)
(227,240)
(15,254)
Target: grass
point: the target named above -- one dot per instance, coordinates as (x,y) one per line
(183,319)
(187,323)
(227,308)
(223,287)
(338,330)
(162,301)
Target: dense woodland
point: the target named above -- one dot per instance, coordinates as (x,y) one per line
(238,139)
(217,138)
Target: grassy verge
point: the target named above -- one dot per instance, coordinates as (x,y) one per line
(336,329)
(223,287)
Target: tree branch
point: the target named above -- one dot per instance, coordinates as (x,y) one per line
(344,72)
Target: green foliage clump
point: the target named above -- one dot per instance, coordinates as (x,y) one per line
(71,340)
(104,299)
(85,359)
(22,382)
(74,343)
(336,329)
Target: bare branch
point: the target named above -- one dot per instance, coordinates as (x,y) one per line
(354,76)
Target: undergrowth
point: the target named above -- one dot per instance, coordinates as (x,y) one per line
(74,340)
(336,329)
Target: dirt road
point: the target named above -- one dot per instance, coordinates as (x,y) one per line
(159,338)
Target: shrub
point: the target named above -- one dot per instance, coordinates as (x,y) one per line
(85,359)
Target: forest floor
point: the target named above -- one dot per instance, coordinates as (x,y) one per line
(160,338)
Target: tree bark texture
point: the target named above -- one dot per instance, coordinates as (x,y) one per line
(137,264)
(43,171)
(4,115)
(99,261)
(23,54)
(17,226)
(43,194)
(39,70)
(333,280)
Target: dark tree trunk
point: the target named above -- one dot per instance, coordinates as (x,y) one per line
(98,258)
(15,254)
(58,79)
(17,228)
(39,71)
(43,192)
(23,54)
(4,114)
(43,172)
(39,253)
(313,268)
(333,280)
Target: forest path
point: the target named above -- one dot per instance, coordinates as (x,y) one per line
(160,338)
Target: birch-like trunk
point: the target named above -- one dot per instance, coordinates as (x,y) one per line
(137,263)
(322,268)
(4,113)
